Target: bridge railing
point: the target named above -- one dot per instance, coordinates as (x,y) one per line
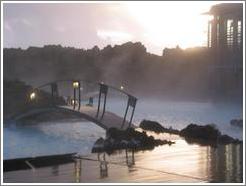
(71,93)
(131,101)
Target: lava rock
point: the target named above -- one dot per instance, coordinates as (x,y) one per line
(130,138)
(151,125)
(225,139)
(207,132)
(156,127)
(98,145)
(206,135)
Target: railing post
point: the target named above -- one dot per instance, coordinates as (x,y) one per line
(74,97)
(130,123)
(99,102)
(52,94)
(132,102)
(79,96)
(103,90)
(124,120)
(54,91)
(104,104)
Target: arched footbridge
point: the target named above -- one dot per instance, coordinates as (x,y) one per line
(86,100)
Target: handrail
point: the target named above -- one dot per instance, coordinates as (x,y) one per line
(103,90)
(80,80)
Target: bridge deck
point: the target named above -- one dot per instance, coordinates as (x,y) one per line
(86,112)
(109,119)
(89,113)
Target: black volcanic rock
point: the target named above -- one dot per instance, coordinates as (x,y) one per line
(206,135)
(130,138)
(98,145)
(207,132)
(225,139)
(151,125)
(156,127)
(193,133)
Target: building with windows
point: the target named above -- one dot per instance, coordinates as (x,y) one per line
(225,43)
(225,33)
(225,29)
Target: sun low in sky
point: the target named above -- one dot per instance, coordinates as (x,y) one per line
(83,25)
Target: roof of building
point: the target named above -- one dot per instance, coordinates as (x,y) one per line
(226,8)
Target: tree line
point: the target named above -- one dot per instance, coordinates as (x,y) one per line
(177,73)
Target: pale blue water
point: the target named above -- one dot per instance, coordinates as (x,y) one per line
(66,136)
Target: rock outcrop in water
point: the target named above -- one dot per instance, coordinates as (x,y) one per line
(207,134)
(193,133)
(128,139)
(156,127)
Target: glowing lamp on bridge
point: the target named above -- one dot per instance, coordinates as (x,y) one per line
(75,84)
(74,102)
(32,95)
(121,87)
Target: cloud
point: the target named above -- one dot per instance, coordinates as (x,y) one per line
(12,24)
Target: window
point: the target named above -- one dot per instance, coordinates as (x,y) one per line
(239,33)
(229,33)
(217,34)
(209,35)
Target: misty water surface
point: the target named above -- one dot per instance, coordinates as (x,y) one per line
(75,136)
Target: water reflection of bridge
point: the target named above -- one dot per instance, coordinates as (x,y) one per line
(206,164)
(67,95)
(103,164)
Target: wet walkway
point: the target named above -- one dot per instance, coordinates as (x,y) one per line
(178,163)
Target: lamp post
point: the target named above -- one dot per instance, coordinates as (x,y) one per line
(76,85)
(32,96)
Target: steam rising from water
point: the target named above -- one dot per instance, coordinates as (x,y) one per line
(67,137)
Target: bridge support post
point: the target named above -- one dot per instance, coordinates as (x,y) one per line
(74,97)
(124,120)
(132,101)
(79,96)
(104,104)
(54,91)
(99,102)
(103,90)
(130,123)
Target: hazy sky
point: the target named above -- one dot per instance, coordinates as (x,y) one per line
(156,24)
